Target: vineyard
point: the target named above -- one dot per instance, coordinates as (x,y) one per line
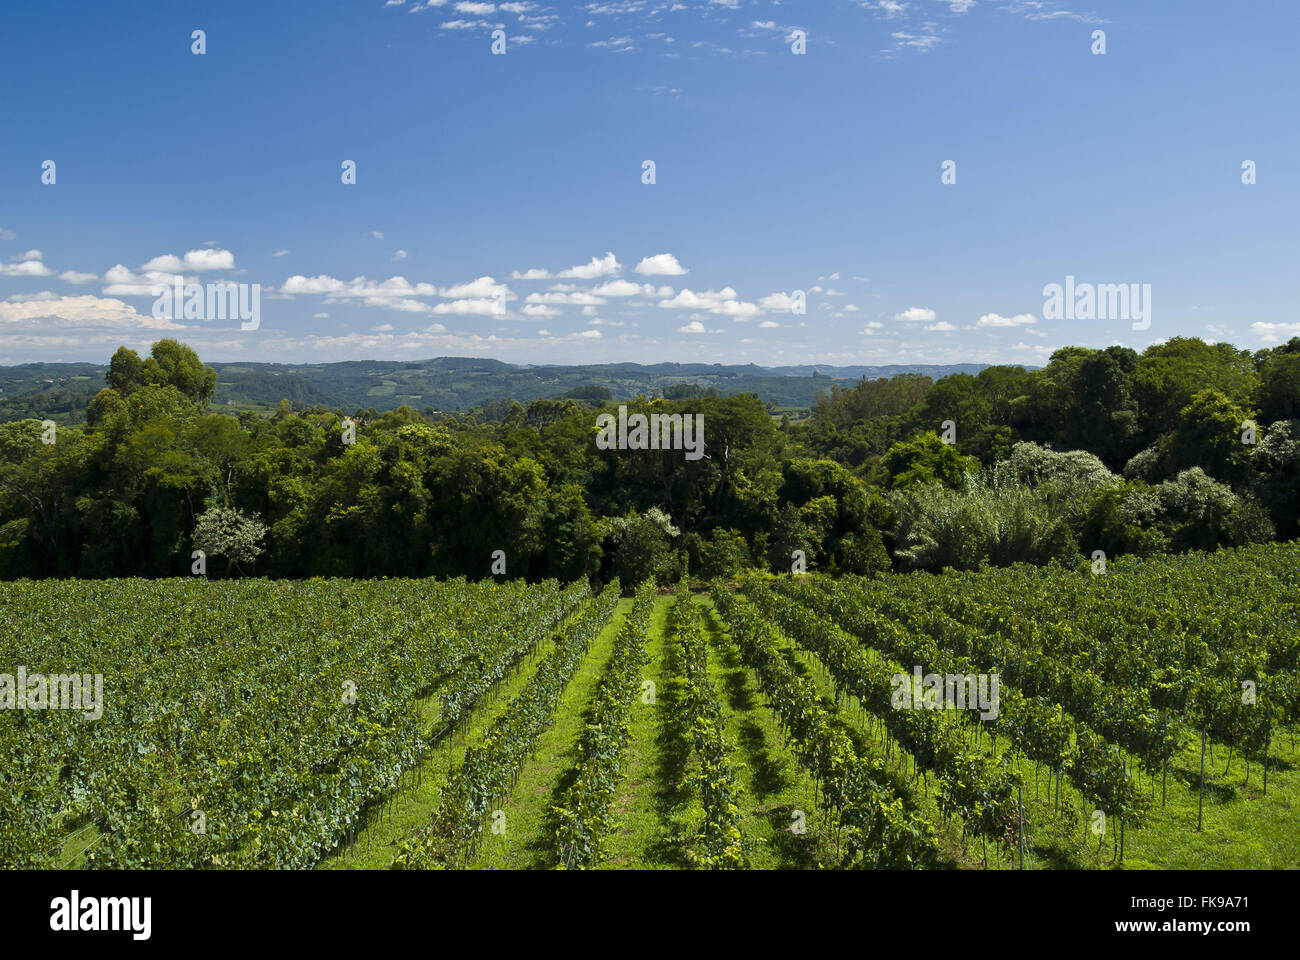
(1143,718)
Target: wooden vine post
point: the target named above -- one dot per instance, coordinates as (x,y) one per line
(1268,742)
(1020,821)
(1200,797)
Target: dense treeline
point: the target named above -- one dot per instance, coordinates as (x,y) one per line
(1187,445)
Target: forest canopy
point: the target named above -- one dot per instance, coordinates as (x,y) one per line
(1187,445)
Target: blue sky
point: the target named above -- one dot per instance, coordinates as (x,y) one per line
(499,209)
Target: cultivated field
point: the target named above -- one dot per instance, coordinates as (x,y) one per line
(416,724)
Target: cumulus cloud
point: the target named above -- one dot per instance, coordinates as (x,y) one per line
(916,315)
(474,307)
(1273,332)
(481,287)
(723,302)
(704,300)
(358,288)
(26,265)
(83,311)
(628,288)
(777,301)
(604,266)
(565,296)
(660,265)
(122,282)
(194,261)
(996,320)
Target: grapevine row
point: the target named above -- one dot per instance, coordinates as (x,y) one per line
(583,816)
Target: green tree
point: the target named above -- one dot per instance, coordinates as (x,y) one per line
(925,459)
(231,534)
(1208,435)
(643,547)
(724,554)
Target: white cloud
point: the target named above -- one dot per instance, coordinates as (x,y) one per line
(628,288)
(1273,332)
(693,327)
(399,255)
(916,315)
(27,265)
(704,300)
(300,284)
(943,326)
(598,267)
(280,253)
(474,307)
(77,277)
(737,309)
(996,320)
(83,311)
(777,301)
(481,287)
(482,297)
(121,282)
(660,265)
(195,261)
(555,296)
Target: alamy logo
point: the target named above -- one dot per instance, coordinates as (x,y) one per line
(1103,301)
(210,301)
(937,691)
(59,691)
(70,914)
(656,431)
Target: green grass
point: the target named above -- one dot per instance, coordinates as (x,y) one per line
(1242,827)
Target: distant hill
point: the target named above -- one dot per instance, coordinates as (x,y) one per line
(60,391)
